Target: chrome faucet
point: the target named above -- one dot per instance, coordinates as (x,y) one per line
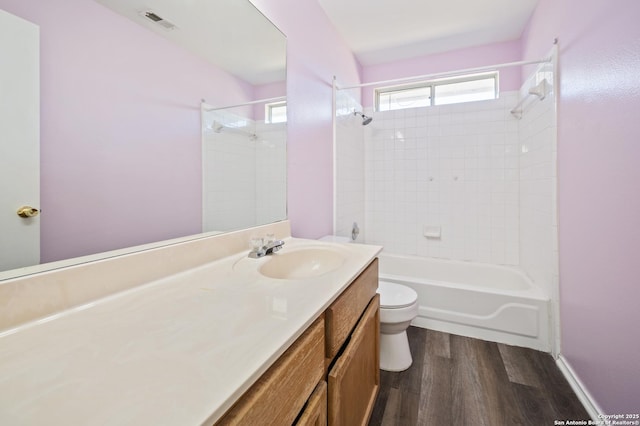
(261,248)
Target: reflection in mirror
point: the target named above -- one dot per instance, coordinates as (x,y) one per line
(122,131)
(230,34)
(246,146)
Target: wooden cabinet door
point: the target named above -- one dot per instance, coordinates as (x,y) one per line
(354,380)
(280,394)
(315,413)
(343,315)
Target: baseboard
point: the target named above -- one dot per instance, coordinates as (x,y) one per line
(593,409)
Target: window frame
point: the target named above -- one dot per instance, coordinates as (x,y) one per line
(432,84)
(268,111)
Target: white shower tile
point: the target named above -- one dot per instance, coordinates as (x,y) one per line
(484,254)
(411,180)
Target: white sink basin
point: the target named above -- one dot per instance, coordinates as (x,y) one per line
(302,263)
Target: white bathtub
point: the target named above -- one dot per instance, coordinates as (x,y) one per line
(478,300)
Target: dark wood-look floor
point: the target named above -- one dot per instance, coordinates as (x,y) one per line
(461,381)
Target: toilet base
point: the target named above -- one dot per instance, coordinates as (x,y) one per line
(395,354)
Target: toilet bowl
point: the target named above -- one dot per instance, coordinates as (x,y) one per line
(398,307)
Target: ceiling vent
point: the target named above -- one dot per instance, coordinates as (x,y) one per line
(158,20)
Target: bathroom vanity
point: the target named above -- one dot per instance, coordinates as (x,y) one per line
(330,375)
(195,333)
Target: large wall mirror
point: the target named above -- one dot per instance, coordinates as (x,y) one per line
(152,119)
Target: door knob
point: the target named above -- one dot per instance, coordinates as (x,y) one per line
(28,211)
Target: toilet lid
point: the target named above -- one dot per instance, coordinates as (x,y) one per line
(395,295)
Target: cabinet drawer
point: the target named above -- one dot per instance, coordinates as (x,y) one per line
(280,393)
(344,313)
(354,380)
(315,413)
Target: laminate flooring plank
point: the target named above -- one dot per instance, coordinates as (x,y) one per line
(408,383)
(501,407)
(467,402)
(392,379)
(409,405)
(553,384)
(519,365)
(435,398)
(410,380)
(461,381)
(438,343)
(391,415)
(534,406)
(381,400)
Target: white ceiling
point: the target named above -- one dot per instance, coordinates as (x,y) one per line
(380,31)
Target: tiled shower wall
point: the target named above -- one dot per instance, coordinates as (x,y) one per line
(452,168)
(349,166)
(244,172)
(271,172)
(484,178)
(538,178)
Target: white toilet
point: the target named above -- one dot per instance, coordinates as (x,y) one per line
(398,307)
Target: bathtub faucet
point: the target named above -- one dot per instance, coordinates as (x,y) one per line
(264,246)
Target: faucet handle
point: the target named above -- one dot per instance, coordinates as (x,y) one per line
(256,243)
(257,247)
(264,246)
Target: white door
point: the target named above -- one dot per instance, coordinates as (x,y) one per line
(19,141)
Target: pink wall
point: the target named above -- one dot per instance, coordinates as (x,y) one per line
(472,57)
(598,195)
(315,53)
(115,96)
(120,129)
(139,106)
(267,91)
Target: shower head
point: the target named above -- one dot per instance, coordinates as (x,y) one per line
(217,127)
(365,120)
(540,90)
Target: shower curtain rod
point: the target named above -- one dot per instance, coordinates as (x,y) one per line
(448,73)
(259,101)
(238,130)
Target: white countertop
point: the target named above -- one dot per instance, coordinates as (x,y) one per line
(177,351)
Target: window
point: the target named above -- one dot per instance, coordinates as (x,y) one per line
(406,97)
(275,112)
(468,88)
